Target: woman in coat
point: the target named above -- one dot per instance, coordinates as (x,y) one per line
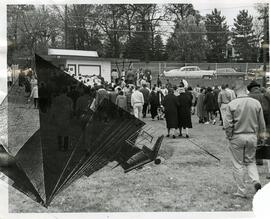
(154,102)
(200,106)
(184,111)
(160,111)
(121,100)
(209,102)
(170,104)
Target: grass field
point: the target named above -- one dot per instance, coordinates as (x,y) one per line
(186,180)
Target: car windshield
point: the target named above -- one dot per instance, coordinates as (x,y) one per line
(225,70)
(230,70)
(191,69)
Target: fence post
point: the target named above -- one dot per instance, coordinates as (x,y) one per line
(246,67)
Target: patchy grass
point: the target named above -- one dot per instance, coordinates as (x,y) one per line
(186,180)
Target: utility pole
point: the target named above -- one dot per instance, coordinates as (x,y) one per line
(66,28)
(265,45)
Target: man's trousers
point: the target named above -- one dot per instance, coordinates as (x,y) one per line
(243,152)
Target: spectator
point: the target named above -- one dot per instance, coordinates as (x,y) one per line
(209,102)
(33,81)
(184,111)
(114,75)
(146,94)
(61,112)
(224,97)
(113,93)
(44,97)
(34,95)
(168,84)
(128,95)
(121,100)
(243,122)
(101,94)
(159,83)
(216,92)
(27,85)
(164,90)
(255,92)
(9,76)
(154,102)
(170,104)
(83,102)
(21,78)
(231,92)
(137,102)
(200,106)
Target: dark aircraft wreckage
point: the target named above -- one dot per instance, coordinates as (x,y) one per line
(49,148)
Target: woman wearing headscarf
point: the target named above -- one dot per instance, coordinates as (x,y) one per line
(170,104)
(159,106)
(184,111)
(200,106)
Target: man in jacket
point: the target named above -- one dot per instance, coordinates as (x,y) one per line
(224,97)
(146,94)
(255,92)
(243,124)
(137,102)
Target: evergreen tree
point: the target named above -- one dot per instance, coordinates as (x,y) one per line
(139,46)
(158,48)
(187,43)
(244,39)
(217,35)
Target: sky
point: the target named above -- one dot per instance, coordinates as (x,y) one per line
(229,9)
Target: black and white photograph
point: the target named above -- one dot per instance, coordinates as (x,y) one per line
(135,107)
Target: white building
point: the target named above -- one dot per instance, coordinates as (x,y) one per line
(80,62)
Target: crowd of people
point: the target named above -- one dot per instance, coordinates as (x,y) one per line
(243,112)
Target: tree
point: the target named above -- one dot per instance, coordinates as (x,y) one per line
(180,11)
(35,29)
(147,18)
(263,31)
(217,35)
(78,28)
(109,18)
(244,39)
(158,48)
(188,42)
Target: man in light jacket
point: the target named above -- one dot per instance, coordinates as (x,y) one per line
(137,102)
(244,124)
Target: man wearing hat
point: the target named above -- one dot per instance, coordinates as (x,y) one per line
(244,124)
(255,92)
(146,93)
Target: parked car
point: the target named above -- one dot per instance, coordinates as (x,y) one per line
(228,72)
(190,72)
(258,72)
